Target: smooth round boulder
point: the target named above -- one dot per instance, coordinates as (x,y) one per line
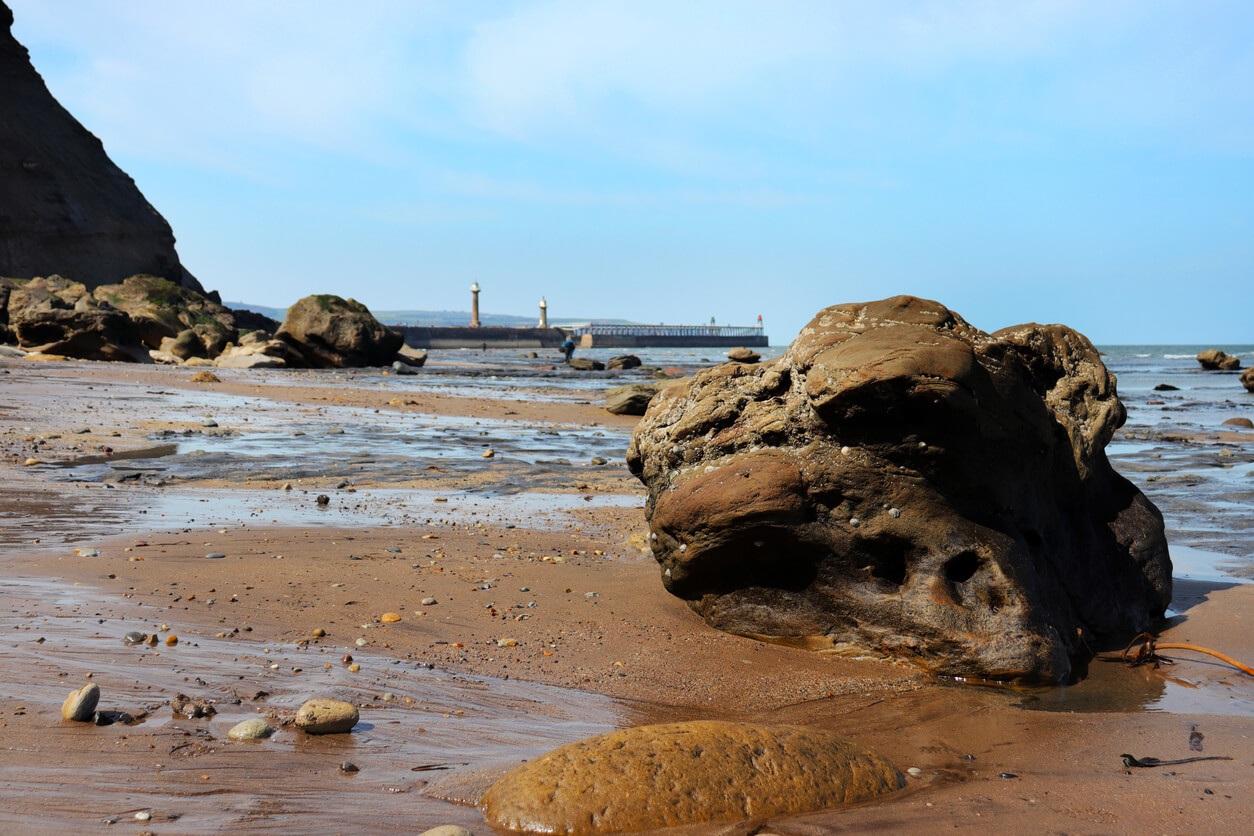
(253,729)
(319,716)
(1245,423)
(1247,379)
(683,773)
(80,705)
(623,361)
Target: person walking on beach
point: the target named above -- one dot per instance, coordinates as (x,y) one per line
(569,348)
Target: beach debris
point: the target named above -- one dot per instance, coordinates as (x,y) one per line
(650,777)
(322,716)
(1013,530)
(1143,650)
(1129,760)
(253,729)
(184,706)
(80,705)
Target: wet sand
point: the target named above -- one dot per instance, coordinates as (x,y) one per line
(549,625)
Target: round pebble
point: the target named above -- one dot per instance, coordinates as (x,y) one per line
(319,632)
(142,816)
(390,617)
(914,770)
(208,422)
(171,640)
(428,602)
(389,696)
(254,729)
(320,716)
(134,637)
(323,499)
(362,642)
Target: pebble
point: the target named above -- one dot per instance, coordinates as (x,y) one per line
(171,640)
(254,729)
(428,602)
(507,642)
(599,460)
(362,642)
(319,632)
(214,556)
(1006,775)
(914,770)
(142,816)
(80,705)
(894,512)
(389,696)
(487,454)
(320,716)
(208,422)
(348,767)
(323,499)
(390,617)
(134,637)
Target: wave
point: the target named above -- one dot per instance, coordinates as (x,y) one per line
(1179,356)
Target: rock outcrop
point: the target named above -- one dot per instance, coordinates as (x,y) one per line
(65,208)
(59,317)
(670,775)
(1212,359)
(160,309)
(632,399)
(901,484)
(1247,379)
(331,332)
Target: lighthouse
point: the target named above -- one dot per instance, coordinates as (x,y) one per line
(474,305)
(544,313)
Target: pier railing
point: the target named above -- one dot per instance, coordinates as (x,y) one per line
(595,330)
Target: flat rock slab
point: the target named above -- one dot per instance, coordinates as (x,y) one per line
(682,773)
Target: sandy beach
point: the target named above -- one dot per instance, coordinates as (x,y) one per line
(529,617)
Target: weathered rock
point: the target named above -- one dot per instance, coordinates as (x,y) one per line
(1247,379)
(185,706)
(258,354)
(743,355)
(1245,423)
(683,773)
(330,332)
(204,376)
(160,308)
(586,364)
(320,716)
(246,320)
(403,368)
(415,357)
(901,484)
(252,729)
(632,399)
(187,344)
(1215,360)
(625,361)
(53,315)
(65,208)
(80,705)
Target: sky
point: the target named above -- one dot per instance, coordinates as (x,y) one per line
(1076,162)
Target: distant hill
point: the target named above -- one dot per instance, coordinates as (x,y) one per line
(441,319)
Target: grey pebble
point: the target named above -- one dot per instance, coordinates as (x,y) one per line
(214,555)
(208,422)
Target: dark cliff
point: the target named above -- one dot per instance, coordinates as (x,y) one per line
(65,208)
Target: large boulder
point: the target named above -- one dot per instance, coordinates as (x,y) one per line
(901,484)
(1212,359)
(331,332)
(743,355)
(675,774)
(1247,379)
(632,399)
(56,316)
(65,208)
(160,309)
(623,361)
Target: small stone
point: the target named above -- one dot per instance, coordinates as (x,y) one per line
(348,767)
(142,816)
(894,512)
(287,486)
(598,460)
(914,770)
(31,462)
(353,668)
(80,705)
(428,602)
(507,642)
(362,642)
(320,716)
(134,637)
(323,499)
(254,729)
(319,632)
(389,696)
(1006,775)
(214,556)
(390,617)
(171,640)
(208,422)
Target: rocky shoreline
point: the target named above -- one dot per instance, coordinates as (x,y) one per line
(517,632)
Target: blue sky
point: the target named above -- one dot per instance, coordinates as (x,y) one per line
(1078,162)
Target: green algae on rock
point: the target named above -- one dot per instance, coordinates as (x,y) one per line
(682,773)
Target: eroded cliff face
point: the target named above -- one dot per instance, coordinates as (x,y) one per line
(902,484)
(65,208)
